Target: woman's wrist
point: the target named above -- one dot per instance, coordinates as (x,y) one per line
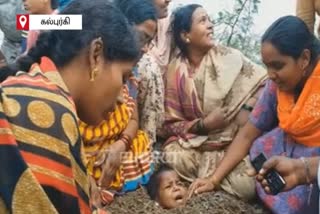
(215,181)
(301,172)
(122,145)
(307,169)
(201,127)
(126,140)
(252,101)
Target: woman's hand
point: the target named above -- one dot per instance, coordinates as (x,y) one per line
(112,163)
(216,119)
(95,197)
(292,171)
(201,185)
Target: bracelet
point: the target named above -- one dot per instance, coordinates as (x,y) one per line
(307,169)
(308,176)
(127,140)
(247,107)
(201,129)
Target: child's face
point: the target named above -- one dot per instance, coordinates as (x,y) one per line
(171,193)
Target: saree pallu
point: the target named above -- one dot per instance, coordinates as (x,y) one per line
(301,118)
(136,164)
(42,167)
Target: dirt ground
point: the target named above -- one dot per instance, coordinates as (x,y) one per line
(138,202)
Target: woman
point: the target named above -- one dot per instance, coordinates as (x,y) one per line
(150,69)
(285,119)
(209,91)
(128,162)
(40,151)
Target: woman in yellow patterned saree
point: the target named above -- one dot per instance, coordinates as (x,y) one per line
(118,154)
(100,141)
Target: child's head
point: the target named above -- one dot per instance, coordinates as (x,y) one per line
(166,188)
(40,6)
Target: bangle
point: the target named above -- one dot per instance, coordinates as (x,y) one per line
(307,169)
(201,129)
(247,107)
(308,176)
(127,140)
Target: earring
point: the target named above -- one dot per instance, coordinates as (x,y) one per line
(93,74)
(187,40)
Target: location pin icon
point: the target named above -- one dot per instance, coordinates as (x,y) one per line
(23,20)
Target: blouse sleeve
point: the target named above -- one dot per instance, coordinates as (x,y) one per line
(264,115)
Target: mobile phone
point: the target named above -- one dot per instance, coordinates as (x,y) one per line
(275,182)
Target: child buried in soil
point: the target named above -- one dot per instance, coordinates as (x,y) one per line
(166,188)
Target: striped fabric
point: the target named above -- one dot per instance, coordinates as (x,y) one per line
(42,168)
(136,166)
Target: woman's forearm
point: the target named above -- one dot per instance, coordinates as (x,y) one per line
(238,150)
(243,116)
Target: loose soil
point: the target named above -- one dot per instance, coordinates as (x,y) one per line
(138,202)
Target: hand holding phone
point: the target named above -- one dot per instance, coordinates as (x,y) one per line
(275,182)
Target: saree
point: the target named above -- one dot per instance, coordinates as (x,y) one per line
(224,78)
(151,68)
(42,167)
(136,164)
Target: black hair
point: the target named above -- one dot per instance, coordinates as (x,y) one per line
(154,182)
(182,22)
(54,4)
(290,35)
(61,46)
(137,11)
